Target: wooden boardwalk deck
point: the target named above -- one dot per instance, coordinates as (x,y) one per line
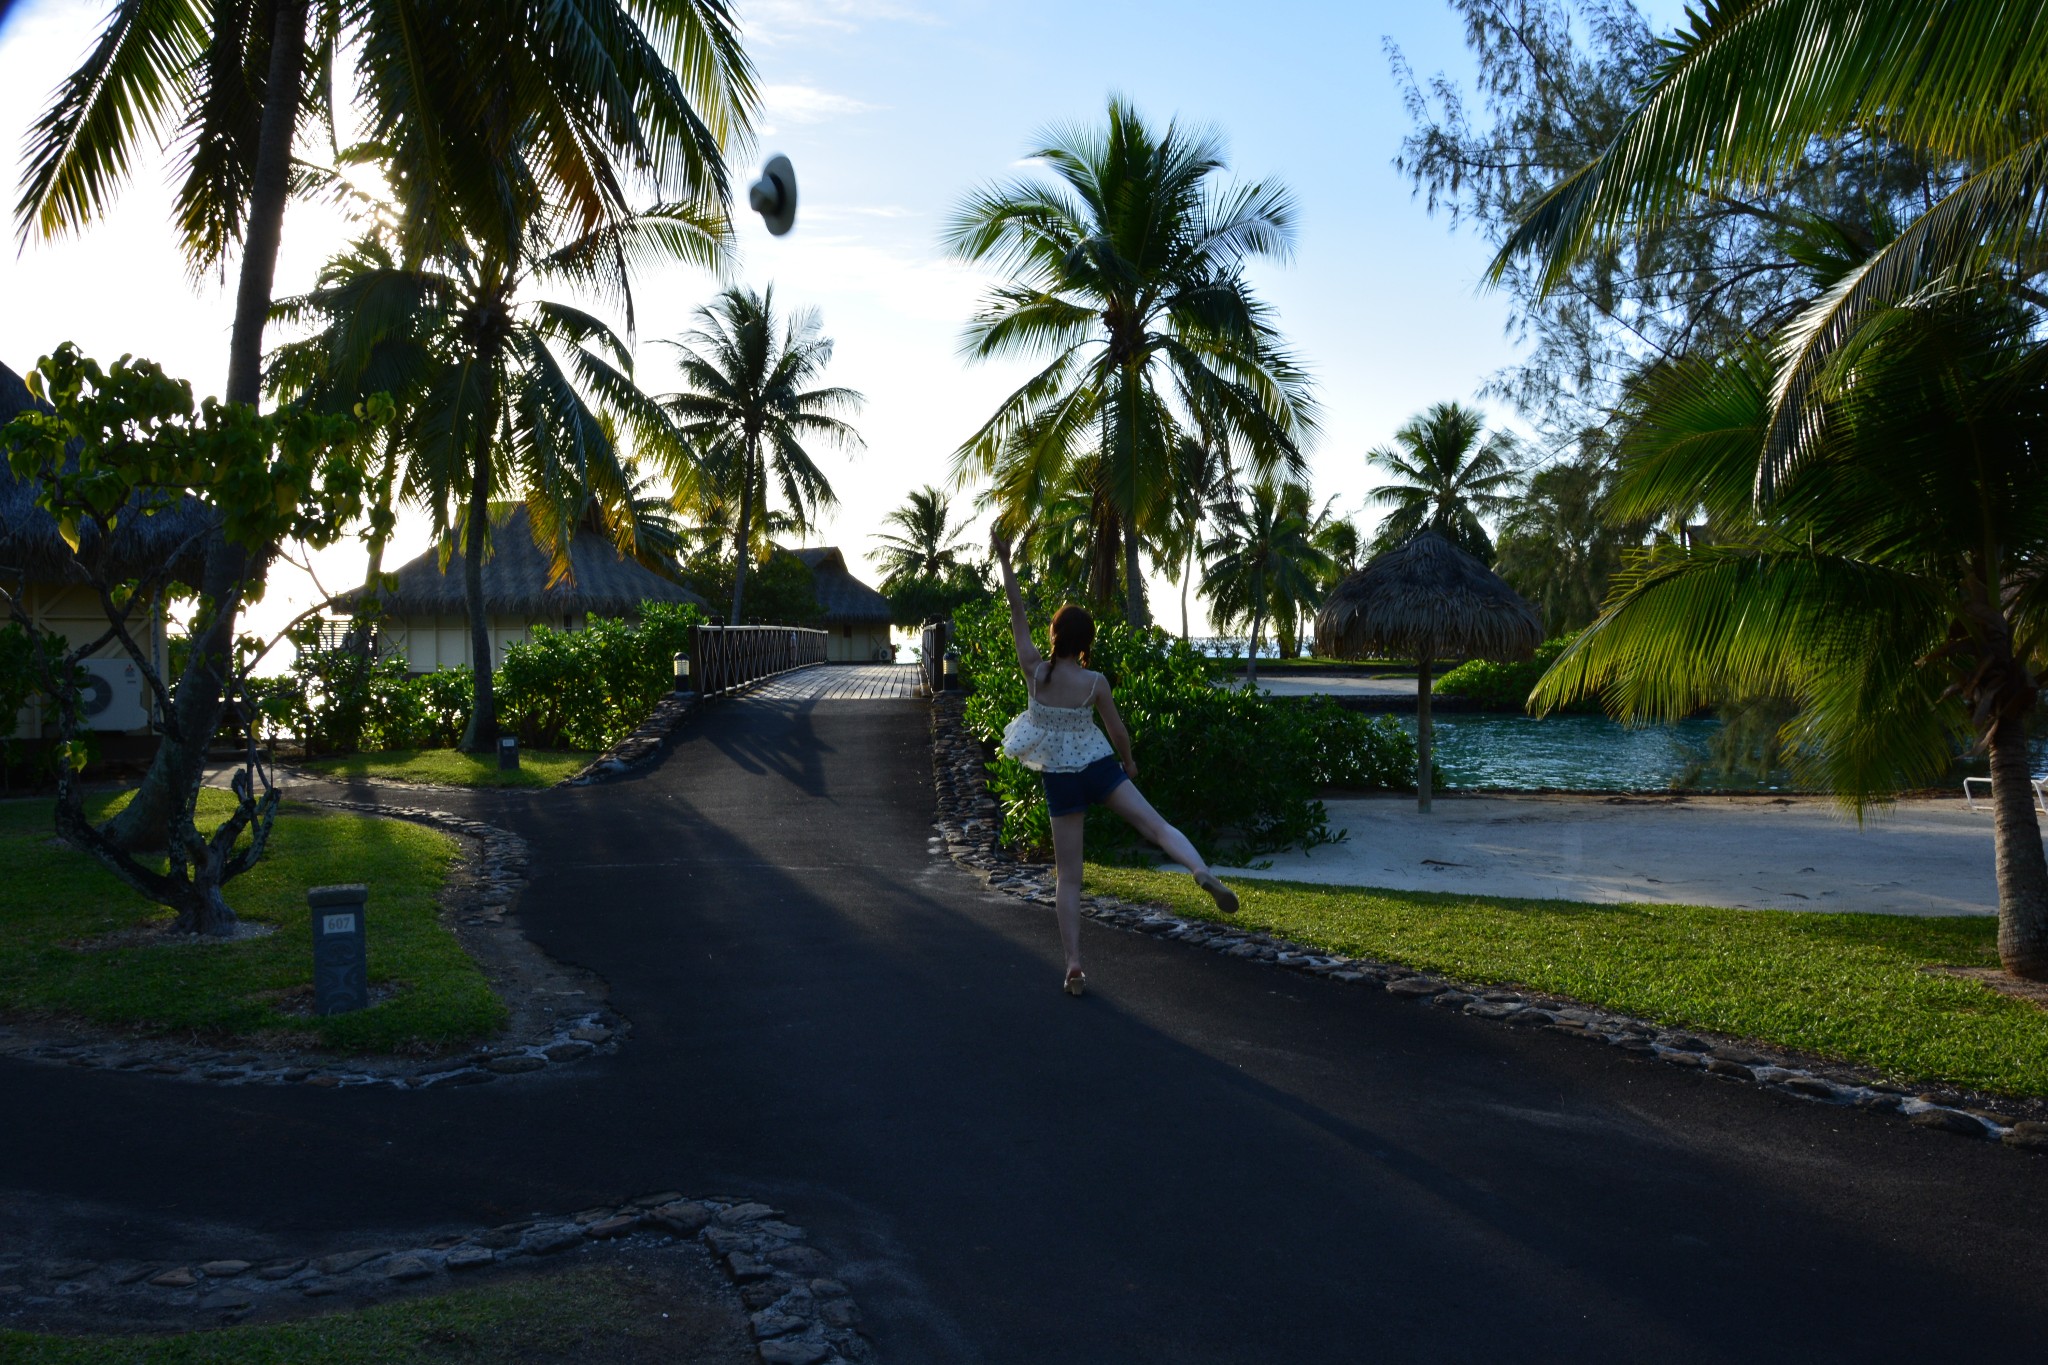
(843,682)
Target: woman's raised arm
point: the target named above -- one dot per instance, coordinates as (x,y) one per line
(1028,657)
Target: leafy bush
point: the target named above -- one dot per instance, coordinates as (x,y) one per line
(576,689)
(1232,770)
(1503,687)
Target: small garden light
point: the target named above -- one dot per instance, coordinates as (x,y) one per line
(682,672)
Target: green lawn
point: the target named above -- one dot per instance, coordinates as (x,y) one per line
(1844,986)
(55,904)
(453,768)
(595,1313)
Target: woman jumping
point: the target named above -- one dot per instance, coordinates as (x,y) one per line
(1054,736)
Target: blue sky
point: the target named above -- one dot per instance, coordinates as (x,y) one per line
(891,110)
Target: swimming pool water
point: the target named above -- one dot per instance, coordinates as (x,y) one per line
(1583,753)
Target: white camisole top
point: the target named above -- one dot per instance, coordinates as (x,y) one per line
(1055,739)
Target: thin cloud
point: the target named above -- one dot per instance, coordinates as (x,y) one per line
(785,106)
(771,21)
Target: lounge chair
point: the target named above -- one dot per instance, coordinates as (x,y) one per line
(2040,796)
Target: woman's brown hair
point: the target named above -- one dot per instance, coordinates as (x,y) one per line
(1073,631)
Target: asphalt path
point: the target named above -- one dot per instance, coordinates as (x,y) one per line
(1203,1160)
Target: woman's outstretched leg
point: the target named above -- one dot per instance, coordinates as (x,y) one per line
(1131,804)
(1066,852)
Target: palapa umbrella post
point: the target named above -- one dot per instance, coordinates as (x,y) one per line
(1430,599)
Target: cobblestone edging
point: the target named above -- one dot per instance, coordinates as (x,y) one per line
(643,745)
(800,1314)
(475,905)
(969,825)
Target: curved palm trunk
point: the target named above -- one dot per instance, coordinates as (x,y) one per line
(1251,663)
(1136,612)
(181,756)
(1186,574)
(2022,867)
(739,577)
(1424,734)
(481,734)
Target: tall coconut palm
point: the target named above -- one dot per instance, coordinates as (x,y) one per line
(1892,585)
(1201,475)
(747,408)
(642,93)
(1448,472)
(509,392)
(1126,274)
(926,542)
(1262,556)
(1743,94)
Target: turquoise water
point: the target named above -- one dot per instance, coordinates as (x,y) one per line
(1577,753)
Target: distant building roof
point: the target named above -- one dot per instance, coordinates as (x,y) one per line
(841,596)
(176,532)
(601,580)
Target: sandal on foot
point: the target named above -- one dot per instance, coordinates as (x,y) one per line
(1077,982)
(1225,898)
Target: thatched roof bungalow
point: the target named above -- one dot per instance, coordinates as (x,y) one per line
(424,617)
(37,566)
(855,616)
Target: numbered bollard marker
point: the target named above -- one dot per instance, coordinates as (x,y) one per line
(341,974)
(508,752)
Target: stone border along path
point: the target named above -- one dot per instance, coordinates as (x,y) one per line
(800,1315)
(969,825)
(497,859)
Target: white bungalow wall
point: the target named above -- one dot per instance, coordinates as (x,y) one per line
(430,642)
(74,613)
(856,642)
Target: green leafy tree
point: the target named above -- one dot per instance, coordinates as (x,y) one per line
(1201,475)
(1890,588)
(115,443)
(926,543)
(1125,273)
(1747,91)
(1262,561)
(629,93)
(748,407)
(1559,544)
(1557,83)
(1447,473)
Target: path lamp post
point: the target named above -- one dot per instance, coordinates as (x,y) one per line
(341,976)
(952,670)
(508,753)
(682,674)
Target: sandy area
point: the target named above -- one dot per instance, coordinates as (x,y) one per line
(1923,857)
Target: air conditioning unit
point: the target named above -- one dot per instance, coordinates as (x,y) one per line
(113,697)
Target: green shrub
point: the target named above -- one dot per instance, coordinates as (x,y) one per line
(1503,687)
(564,689)
(1233,771)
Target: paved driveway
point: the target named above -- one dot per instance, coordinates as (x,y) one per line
(1203,1161)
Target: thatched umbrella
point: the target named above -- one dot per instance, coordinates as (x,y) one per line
(1430,599)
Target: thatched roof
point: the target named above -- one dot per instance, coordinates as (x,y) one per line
(601,580)
(30,545)
(1428,597)
(841,596)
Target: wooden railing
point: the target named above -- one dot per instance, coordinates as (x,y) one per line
(931,655)
(727,658)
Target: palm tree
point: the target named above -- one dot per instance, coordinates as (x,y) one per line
(1261,557)
(1559,545)
(1892,585)
(508,391)
(1201,475)
(1126,274)
(746,408)
(928,544)
(1448,473)
(643,93)
(1302,597)
(1747,88)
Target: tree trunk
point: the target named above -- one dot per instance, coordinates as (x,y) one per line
(1186,574)
(2022,868)
(1251,662)
(181,757)
(739,577)
(481,734)
(1423,736)
(1136,613)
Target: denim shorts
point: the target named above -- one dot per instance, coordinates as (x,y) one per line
(1072,793)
